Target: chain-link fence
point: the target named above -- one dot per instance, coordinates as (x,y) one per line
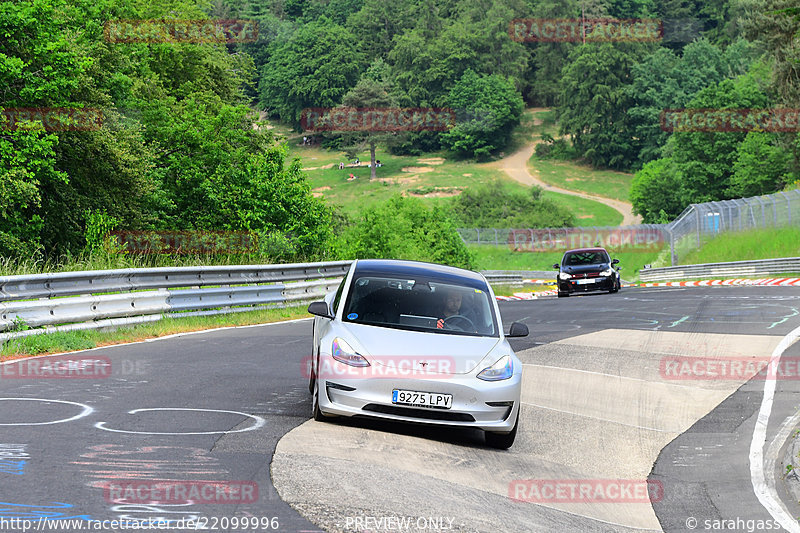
(697,224)
(700,222)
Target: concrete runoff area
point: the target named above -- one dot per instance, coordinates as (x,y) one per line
(595,407)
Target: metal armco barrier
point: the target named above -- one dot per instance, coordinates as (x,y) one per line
(517,276)
(70,301)
(79,300)
(763,267)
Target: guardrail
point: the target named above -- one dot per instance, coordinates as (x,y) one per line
(517,276)
(762,267)
(70,301)
(94,299)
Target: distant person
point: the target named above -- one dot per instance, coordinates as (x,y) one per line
(377,162)
(305,141)
(341,166)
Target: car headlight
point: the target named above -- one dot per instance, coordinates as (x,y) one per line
(609,272)
(344,353)
(502,369)
(563,275)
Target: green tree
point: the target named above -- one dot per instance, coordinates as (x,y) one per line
(663,80)
(495,205)
(315,68)
(594,103)
(656,192)
(706,159)
(405,228)
(378,22)
(492,107)
(761,167)
(371,93)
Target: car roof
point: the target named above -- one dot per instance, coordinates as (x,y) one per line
(416,269)
(581,250)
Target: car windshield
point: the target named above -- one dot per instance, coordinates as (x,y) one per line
(585,258)
(420,305)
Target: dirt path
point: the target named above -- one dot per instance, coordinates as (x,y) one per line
(516,166)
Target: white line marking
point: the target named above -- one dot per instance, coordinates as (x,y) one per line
(612,376)
(676,432)
(259,422)
(766,493)
(86,411)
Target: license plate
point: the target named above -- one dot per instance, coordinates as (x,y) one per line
(585,281)
(422,399)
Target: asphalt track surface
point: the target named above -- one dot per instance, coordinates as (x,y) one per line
(231,408)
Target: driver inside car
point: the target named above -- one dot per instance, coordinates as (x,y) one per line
(451,306)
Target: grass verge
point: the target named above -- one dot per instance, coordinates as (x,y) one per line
(746,245)
(489,257)
(58,342)
(582,178)
(587,212)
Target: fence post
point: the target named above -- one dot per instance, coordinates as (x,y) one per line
(788,208)
(672,257)
(697,222)
(774,211)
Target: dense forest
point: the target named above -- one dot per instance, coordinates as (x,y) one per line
(183,144)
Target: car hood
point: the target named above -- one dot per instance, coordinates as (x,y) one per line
(583,269)
(388,346)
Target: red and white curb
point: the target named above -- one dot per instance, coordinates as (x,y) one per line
(773,282)
(763,282)
(526,295)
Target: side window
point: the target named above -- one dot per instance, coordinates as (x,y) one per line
(338,296)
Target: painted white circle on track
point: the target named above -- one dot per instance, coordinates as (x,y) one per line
(259,422)
(86,411)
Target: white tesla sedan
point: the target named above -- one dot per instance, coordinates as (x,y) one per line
(416,342)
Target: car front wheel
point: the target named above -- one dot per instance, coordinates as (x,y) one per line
(502,441)
(315,411)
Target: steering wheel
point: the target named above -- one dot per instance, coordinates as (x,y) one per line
(462,317)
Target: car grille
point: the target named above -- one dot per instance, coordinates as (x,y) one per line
(418,413)
(585,275)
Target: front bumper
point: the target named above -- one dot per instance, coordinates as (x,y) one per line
(486,405)
(601,283)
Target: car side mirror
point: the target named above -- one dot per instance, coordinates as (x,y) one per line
(518,329)
(556,266)
(320,309)
(615,261)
